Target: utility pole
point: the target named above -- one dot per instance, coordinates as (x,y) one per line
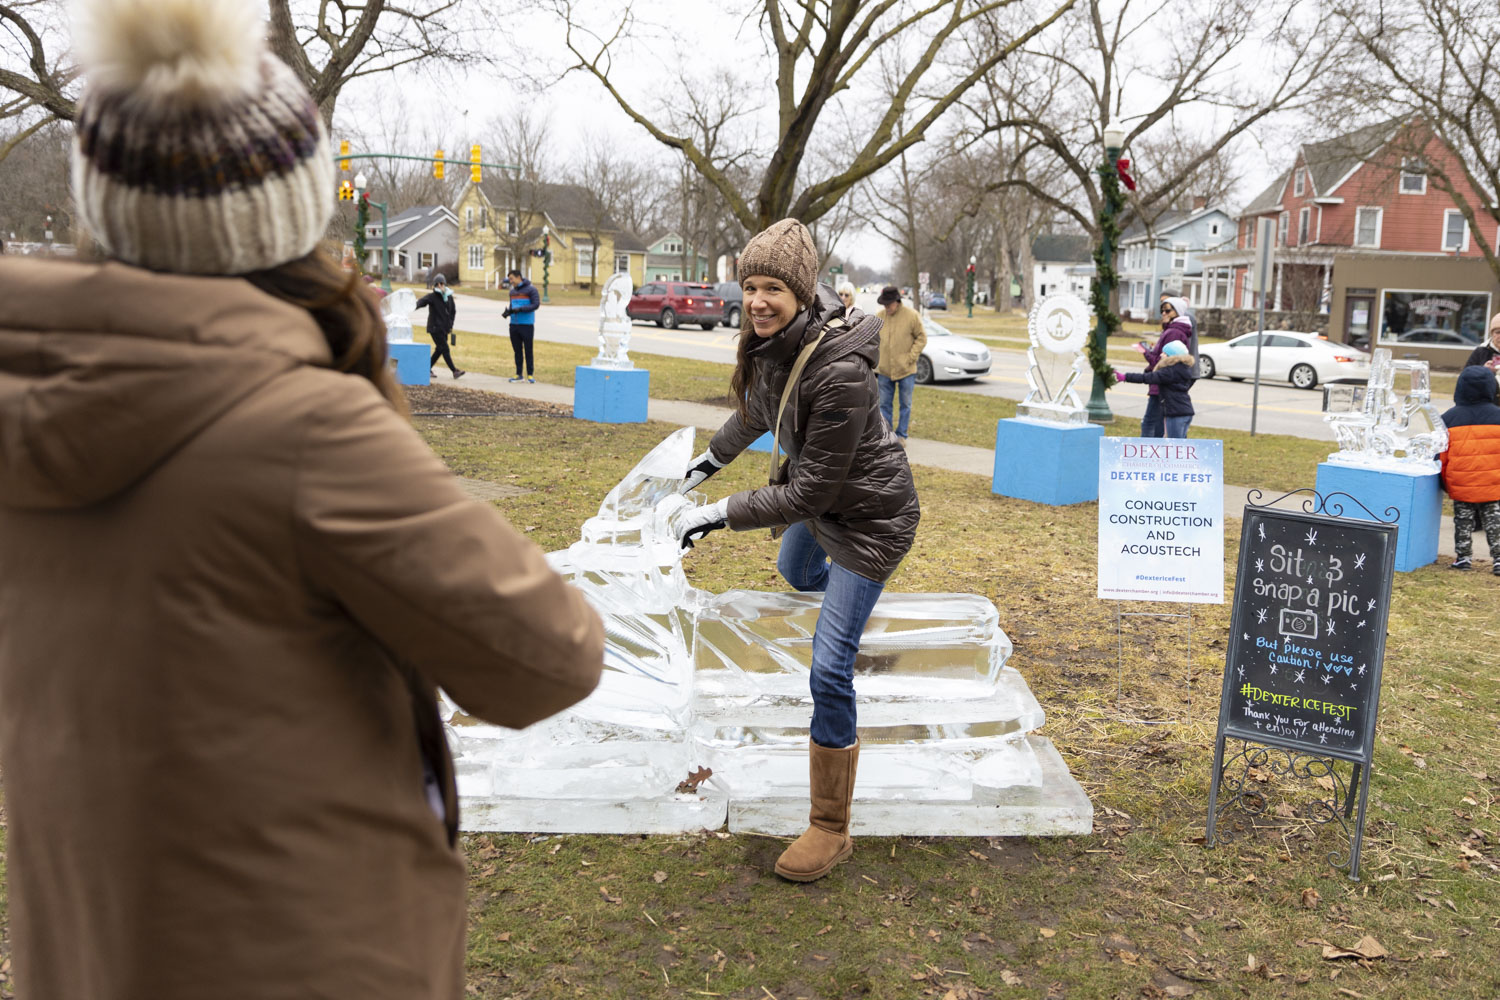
(1104,260)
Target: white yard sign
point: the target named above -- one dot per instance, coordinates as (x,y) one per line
(1161,520)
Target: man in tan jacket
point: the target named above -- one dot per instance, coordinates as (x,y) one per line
(901,341)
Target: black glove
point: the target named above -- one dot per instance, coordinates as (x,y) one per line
(703,466)
(699,521)
(506,314)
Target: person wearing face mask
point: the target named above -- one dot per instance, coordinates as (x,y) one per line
(844,502)
(440,322)
(1174,329)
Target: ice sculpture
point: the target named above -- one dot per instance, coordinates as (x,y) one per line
(398,307)
(614,323)
(720,681)
(1389,430)
(1058,328)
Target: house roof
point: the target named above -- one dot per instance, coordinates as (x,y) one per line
(411,223)
(1062,247)
(1331,160)
(628,242)
(1268,200)
(1168,221)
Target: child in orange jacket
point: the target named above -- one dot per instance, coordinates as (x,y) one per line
(1471,465)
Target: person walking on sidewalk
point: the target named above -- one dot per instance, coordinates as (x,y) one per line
(1174,327)
(442,309)
(1471,465)
(844,501)
(235,576)
(525,300)
(1173,380)
(901,341)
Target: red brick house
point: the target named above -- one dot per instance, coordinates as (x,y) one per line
(1364,236)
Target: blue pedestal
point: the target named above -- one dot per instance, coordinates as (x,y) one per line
(762,443)
(1055,464)
(1417,496)
(611,395)
(410,363)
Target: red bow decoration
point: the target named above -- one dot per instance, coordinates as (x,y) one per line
(1121,167)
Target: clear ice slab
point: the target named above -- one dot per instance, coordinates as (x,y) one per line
(698,680)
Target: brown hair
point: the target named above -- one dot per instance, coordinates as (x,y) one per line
(346,311)
(739,382)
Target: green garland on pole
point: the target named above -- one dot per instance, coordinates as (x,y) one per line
(1105,277)
(361,219)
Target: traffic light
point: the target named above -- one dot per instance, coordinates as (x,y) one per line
(474,163)
(437,168)
(343,151)
(346,191)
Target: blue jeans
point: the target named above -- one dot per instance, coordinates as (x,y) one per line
(848,599)
(1152,424)
(888,391)
(1177,426)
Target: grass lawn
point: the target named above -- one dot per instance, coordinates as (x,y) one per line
(1140,908)
(1273,461)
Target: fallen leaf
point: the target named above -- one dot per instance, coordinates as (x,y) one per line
(604,891)
(823,930)
(1365,947)
(1285,810)
(981,857)
(694,779)
(504,936)
(1324,782)
(1310,898)
(1178,991)
(1440,953)
(1047,932)
(658,877)
(1009,978)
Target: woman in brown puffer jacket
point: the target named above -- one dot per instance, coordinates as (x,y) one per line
(233,573)
(844,497)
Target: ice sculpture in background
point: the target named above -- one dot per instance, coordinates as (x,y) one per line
(698,680)
(1058,329)
(1390,430)
(398,307)
(614,323)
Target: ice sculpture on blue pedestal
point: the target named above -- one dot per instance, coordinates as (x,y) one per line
(614,323)
(1388,430)
(1058,330)
(720,681)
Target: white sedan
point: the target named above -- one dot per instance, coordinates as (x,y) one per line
(949,357)
(1303,359)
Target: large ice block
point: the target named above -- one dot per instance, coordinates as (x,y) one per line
(697,680)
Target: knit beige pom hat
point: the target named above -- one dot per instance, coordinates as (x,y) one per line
(196,150)
(784,250)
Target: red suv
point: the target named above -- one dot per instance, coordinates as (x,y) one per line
(672,302)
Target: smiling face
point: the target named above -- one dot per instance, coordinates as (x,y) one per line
(769,303)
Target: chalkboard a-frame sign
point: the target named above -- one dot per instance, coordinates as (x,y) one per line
(1306,645)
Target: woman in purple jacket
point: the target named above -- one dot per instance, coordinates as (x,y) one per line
(1174,328)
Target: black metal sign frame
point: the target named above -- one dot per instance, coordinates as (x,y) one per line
(1278,747)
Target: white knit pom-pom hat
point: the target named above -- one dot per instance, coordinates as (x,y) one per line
(197,151)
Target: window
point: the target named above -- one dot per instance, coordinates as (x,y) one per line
(1455,230)
(1213,230)
(1433,318)
(1413,176)
(1179,257)
(468,218)
(484,218)
(1367,222)
(1138,294)
(585,253)
(1303,218)
(622,263)
(1249,228)
(1281,227)
(425,259)
(1298,182)
(476,256)
(512,223)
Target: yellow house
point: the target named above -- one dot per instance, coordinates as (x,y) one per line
(504,222)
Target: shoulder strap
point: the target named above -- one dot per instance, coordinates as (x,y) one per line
(786,392)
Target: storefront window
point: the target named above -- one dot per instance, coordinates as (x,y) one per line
(1437,319)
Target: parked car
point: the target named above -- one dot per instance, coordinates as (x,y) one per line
(936,301)
(671,303)
(1436,335)
(1303,359)
(949,357)
(734,299)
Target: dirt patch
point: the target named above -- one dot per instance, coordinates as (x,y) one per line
(449,400)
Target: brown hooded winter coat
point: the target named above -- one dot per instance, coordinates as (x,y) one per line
(845,474)
(231,578)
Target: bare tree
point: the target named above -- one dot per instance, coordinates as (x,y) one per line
(31,36)
(612,181)
(818,49)
(34,184)
(520,198)
(1433,65)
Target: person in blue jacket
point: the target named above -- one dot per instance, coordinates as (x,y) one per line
(524,301)
(1172,380)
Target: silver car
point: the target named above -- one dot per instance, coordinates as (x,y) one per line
(949,357)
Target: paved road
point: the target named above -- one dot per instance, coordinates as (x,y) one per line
(1219,402)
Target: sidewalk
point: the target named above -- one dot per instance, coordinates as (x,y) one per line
(920,451)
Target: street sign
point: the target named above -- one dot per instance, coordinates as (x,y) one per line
(922,279)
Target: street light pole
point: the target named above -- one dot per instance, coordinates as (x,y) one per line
(1104,263)
(385,231)
(547,260)
(972,262)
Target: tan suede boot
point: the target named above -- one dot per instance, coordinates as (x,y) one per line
(827,840)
